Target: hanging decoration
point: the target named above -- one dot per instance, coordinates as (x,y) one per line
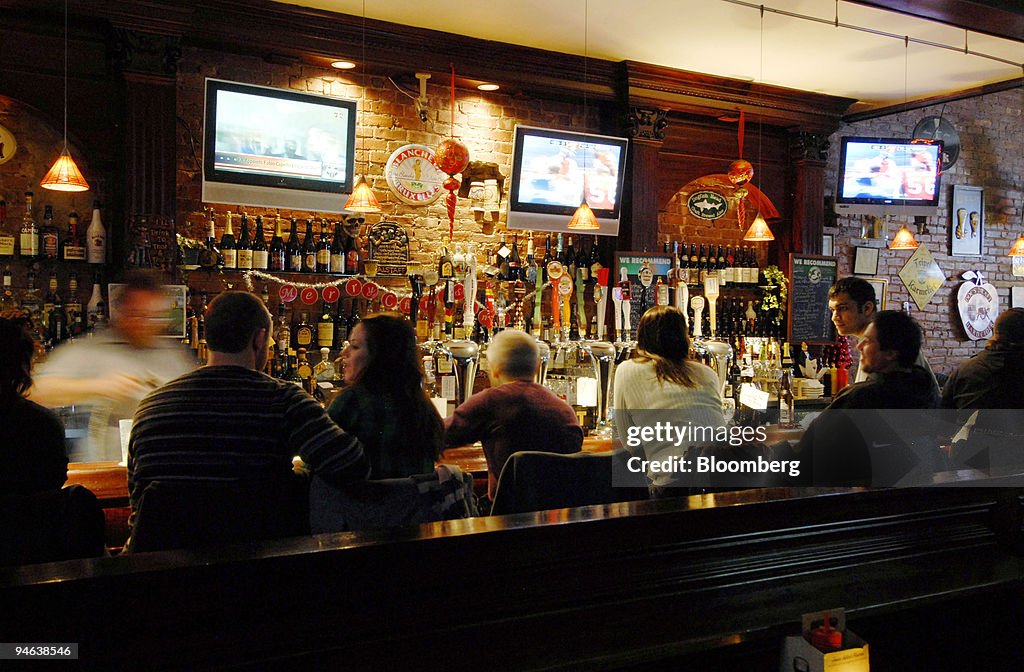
(352,287)
(978,302)
(451,157)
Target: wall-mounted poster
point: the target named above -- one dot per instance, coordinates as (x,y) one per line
(881,287)
(967,221)
(865,261)
(828,243)
(922,276)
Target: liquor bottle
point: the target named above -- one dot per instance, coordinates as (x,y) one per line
(73,248)
(276,256)
(6,239)
(209,256)
(50,298)
(755,270)
(547,251)
(702,264)
(265,295)
(503,253)
(260,254)
(303,369)
(351,256)
(727,272)
(570,258)
(29,230)
(244,256)
(96,238)
(531,271)
(595,258)
(693,274)
(302,334)
(787,403)
(733,379)
(325,328)
(720,260)
(293,252)
(57,321)
(338,249)
(323,250)
(49,236)
(309,249)
(353,316)
(661,293)
(445,264)
(581,262)
(515,262)
(228,250)
(96,306)
(340,326)
(7,300)
(284,331)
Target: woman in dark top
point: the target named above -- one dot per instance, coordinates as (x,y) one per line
(385,405)
(33,456)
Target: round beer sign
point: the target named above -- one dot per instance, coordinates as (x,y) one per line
(412,175)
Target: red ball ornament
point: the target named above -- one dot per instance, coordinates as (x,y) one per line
(451,156)
(740,172)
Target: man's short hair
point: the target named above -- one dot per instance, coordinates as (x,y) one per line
(514,353)
(898,331)
(859,289)
(232,319)
(1009,329)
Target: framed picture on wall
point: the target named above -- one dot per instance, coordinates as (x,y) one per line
(967,221)
(828,245)
(865,260)
(881,287)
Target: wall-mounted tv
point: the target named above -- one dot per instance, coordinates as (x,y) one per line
(277,148)
(888,176)
(551,169)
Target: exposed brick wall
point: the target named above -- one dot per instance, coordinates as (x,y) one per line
(992,157)
(387,120)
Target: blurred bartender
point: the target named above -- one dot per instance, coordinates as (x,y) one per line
(109,373)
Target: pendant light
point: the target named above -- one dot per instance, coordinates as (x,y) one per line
(1018,248)
(759,231)
(64,175)
(362,198)
(904,239)
(584,218)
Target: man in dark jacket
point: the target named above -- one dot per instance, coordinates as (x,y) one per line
(857,440)
(994,378)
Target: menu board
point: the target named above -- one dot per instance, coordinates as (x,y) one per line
(810,278)
(639,271)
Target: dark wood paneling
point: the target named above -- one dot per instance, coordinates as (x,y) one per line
(603,588)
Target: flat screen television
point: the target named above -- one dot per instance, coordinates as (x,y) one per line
(551,168)
(888,176)
(277,148)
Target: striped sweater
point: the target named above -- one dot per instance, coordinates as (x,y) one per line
(229,423)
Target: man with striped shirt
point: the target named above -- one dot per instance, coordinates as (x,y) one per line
(229,423)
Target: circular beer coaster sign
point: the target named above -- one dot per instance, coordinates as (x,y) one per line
(288,293)
(412,175)
(331,294)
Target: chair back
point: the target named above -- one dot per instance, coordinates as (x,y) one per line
(538,481)
(49,526)
(189,514)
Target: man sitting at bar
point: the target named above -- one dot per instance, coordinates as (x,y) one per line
(515,413)
(228,423)
(865,446)
(852,302)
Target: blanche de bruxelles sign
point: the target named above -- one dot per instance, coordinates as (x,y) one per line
(412,175)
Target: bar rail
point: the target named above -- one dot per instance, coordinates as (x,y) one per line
(602,587)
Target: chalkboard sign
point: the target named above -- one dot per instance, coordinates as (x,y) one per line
(810,279)
(641,270)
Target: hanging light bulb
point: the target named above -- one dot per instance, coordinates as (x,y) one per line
(584,218)
(759,232)
(904,240)
(64,175)
(362,198)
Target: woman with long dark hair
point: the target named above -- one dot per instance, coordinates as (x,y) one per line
(661,384)
(33,455)
(384,404)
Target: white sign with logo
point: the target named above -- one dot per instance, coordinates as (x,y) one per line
(978,302)
(412,175)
